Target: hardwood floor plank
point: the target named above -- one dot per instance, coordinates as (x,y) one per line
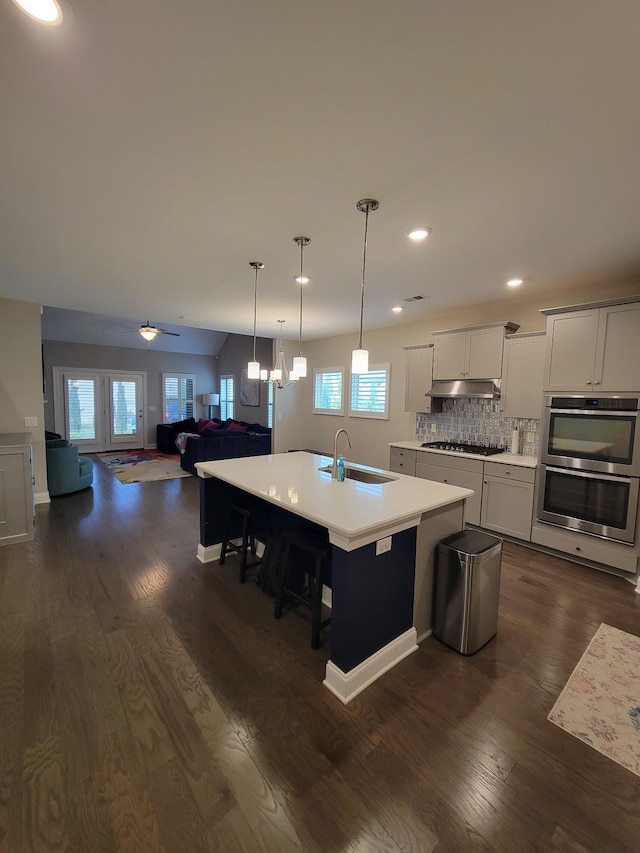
(45,810)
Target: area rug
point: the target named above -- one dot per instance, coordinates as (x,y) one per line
(600,704)
(142,466)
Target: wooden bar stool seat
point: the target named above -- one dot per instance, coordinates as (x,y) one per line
(305,567)
(248,526)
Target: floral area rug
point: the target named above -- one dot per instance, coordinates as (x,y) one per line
(600,704)
(142,466)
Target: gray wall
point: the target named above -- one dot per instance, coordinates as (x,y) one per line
(235,354)
(153,362)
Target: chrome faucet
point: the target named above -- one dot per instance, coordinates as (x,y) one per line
(334,467)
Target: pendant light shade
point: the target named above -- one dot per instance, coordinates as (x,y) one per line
(360,356)
(300,362)
(253,367)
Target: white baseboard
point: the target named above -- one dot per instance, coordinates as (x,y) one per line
(208,553)
(41,498)
(424,635)
(347,685)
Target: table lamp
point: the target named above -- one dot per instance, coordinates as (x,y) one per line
(211,400)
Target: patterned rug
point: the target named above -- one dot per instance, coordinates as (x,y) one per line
(600,704)
(142,466)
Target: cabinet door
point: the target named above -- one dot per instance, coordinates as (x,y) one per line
(522,377)
(418,380)
(571,348)
(484,353)
(450,356)
(402,461)
(618,349)
(507,507)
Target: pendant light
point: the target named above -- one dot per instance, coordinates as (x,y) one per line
(280,375)
(360,356)
(253,367)
(300,362)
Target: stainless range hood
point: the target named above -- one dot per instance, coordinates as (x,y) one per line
(489,389)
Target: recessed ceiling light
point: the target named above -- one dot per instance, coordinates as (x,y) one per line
(45,11)
(515,282)
(419,233)
(302,279)
(397,309)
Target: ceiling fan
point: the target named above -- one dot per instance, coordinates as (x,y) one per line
(149,332)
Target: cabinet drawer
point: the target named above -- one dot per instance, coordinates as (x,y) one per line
(584,547)
(510,472)
(451,476)
(445,460)
(402,461)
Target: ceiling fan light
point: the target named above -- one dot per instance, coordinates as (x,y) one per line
(148,333)
(360,361)
(300,366)
(253,370)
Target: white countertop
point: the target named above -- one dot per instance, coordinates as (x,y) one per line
(506,458)
(354,513)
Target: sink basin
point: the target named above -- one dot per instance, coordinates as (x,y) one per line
(361,476)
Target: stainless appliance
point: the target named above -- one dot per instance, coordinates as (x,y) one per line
(461,447)
(590,476)
(489,389)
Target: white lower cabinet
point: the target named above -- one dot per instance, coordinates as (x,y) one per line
(583,547)
(16,488)
(403,461)
(507,499)
(456,471)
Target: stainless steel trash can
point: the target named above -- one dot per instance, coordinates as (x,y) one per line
(467,589)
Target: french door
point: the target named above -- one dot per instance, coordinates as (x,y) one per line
(100,410)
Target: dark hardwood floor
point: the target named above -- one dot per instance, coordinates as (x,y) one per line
(150,703)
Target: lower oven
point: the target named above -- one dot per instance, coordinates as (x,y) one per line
(590,502)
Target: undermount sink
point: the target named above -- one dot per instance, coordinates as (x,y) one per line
(361,476)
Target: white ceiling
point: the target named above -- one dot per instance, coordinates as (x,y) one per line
(150,150)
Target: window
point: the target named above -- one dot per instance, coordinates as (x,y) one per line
(226,397)
(80,407)
(270,404)
(370,393)
(327,391)
(178,396)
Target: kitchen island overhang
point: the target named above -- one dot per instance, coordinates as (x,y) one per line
(380,586)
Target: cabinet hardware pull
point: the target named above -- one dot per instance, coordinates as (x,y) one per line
(588,382)
(577,547)
(597,382)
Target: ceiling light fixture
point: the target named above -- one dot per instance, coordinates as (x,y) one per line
(300,362)
(253,367)
(419,233)
(515,282)
(148,332)
(45,11)
(360,356)
(397,309)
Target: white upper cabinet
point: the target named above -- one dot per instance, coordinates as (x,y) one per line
(595,348)
(522,375)
(474,353)
(418,378)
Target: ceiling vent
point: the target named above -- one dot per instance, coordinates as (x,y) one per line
(414,298)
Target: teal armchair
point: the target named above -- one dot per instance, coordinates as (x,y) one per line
(67,471)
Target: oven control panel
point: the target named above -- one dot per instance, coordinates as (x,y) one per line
(616,404)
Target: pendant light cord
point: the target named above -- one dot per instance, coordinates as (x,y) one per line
(255,309)
(301,286)
(364,268)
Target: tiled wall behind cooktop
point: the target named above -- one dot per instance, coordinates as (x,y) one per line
(476,421)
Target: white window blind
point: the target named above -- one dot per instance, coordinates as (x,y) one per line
(81,407)
(327,391)
(270,404)
(370,393)
(178,396)
(226,397)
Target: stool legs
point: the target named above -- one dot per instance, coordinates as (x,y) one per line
(248,542)
(314,588)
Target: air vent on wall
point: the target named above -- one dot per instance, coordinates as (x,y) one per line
(414,298)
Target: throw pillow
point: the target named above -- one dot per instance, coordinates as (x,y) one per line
(205,423)
(233,427)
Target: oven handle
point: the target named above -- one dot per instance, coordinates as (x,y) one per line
(597,412)
(591,475)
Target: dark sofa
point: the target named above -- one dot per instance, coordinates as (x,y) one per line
(229,439)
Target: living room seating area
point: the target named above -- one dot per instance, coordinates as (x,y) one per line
(210,438)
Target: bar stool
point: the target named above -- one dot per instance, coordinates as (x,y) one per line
(253,526)
(313,548)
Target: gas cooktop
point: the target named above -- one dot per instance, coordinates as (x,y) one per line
(458,447)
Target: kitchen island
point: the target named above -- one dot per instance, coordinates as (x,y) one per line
(383,536)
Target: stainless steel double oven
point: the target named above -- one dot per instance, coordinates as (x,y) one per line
(590,471)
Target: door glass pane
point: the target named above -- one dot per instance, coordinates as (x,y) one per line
(81,408)
(124,407)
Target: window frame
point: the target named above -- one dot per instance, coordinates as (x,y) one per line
(227,402)
(382,367)
(184,402)
(322,371)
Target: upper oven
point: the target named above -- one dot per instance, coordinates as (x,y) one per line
(592,434)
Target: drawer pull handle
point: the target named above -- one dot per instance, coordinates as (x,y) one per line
(444,481)
(577,547)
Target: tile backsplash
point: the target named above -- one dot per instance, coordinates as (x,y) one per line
(478,421)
